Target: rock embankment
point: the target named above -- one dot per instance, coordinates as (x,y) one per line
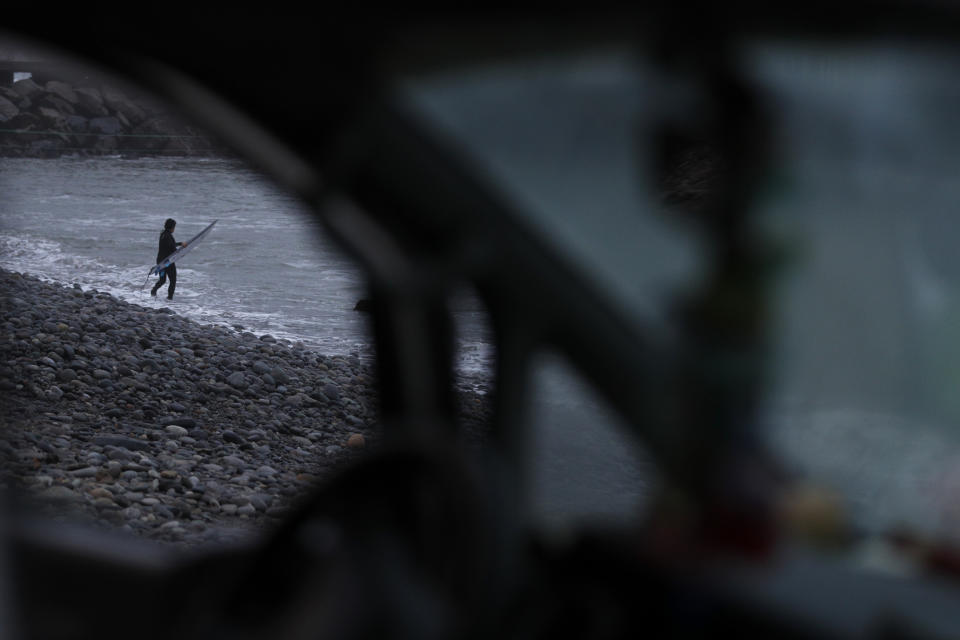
(58,118)
(137,419)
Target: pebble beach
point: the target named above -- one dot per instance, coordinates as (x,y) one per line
(137,420)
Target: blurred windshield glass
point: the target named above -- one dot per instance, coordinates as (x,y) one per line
(867,333)
(560,137)
(869,323)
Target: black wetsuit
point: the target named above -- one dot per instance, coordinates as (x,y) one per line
(167,246)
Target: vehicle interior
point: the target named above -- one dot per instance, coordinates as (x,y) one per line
(731,227)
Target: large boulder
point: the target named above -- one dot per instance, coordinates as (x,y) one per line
(118,102)
(108,125)
(124,122)
(14,97)
(7,109)
(104,138)
(12,142)
(63,90)
(52,118)
(90,103)
(27,88)
(168,136)
(54,101)
(237,380)
(24,122)
(77,124)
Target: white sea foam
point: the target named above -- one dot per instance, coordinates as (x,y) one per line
(301,264)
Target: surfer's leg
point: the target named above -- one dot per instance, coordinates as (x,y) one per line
(163,279)
(173,281)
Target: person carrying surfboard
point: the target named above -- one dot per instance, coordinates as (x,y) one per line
(167,246)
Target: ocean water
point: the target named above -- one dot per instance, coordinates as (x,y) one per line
(267,266)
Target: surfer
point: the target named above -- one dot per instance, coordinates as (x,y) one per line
(167,246)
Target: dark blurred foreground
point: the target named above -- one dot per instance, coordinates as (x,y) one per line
(421,540)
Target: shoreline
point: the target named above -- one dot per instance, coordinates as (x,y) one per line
(137,419)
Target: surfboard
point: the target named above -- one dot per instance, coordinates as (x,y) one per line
(182,251)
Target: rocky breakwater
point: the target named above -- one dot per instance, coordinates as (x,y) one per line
(58,118)
(137,419)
